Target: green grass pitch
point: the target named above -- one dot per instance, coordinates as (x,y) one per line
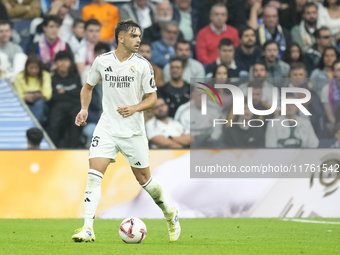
(199,236)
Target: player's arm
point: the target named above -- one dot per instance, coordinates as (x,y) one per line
(85,99)
(149,102)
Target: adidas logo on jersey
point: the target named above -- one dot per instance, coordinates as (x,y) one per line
(87,200)
(109,69)
(138,164)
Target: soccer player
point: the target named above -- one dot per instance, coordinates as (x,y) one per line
(126,77)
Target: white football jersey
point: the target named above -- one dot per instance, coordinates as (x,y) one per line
(124,83)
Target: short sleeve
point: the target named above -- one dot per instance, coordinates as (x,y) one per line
(324,94)
(148,79)
(94,74)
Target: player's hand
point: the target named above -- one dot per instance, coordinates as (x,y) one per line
(126,110)
(81,118)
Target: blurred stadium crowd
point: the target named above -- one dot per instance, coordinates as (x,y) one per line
(48,46)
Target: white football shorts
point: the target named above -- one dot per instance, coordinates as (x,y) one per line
(135,148)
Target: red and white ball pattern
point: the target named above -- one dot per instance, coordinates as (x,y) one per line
(132,230)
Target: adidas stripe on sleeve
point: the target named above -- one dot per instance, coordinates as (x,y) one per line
(94,74)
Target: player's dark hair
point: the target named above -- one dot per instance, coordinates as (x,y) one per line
(317,33)
(93,22)
(34,136)
(181,42)
(243,30)
(177,59)
(63,54)
(51,18)
(225,42)
(78,21)
(308,5)
(101,46)
(269,42)
(34,58)
(125,26)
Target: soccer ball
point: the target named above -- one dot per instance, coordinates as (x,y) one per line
(132,230)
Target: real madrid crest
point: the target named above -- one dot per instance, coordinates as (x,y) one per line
(132,69)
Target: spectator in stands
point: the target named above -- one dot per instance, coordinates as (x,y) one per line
(187,19)
(298,76)
(330,96)
(163,131)
(226,54)
(3,12)
(303,33)
(336,136)
(141,11)
(163,50)
(85,54)
(209,37)
(192,68)
(6,46)
(198,125)
(77,39)
(292,15)
(146,51)
(299,135)
(163,16)
(176,91)
(28,9)
(247,53)
(34,86)
(253,12)
(241,135)
(64,104)
(34,137)
(294,54)
(259,74)
(318,118)
(324,73)
(49,44)
(236,13)
(99,49)
(108,16)
(323,39)
(272,30)
(329,15)
(276,68)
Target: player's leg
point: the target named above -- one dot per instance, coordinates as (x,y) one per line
(136,151)
(102,151)
(92,198)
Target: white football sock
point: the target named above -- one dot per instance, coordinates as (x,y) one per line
(92,196)
(156,192)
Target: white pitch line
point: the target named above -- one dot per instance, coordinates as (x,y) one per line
(312,221)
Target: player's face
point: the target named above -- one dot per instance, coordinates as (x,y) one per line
(131,40)
(145,51)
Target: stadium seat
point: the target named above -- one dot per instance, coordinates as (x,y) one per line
(14,120)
